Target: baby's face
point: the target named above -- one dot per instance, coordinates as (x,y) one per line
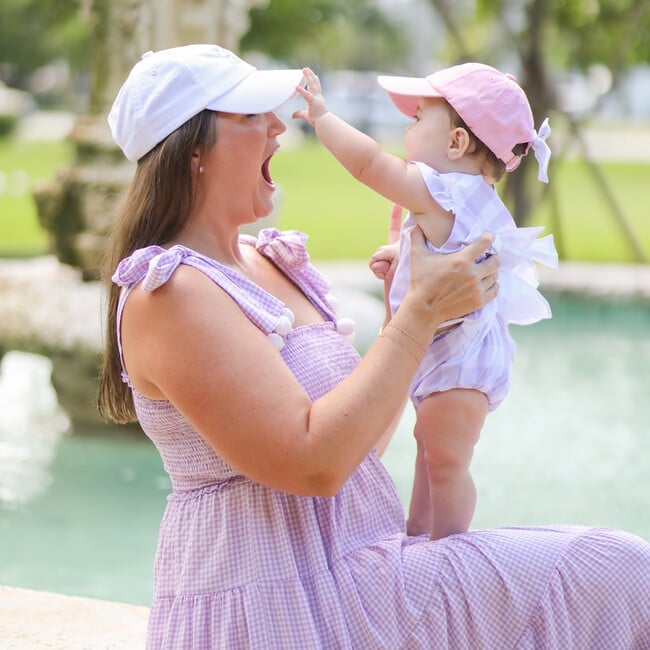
(428,137)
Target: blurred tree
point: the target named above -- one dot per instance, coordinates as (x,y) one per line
(36,32)
(616,32)
(332,33)
(545,36)
(326,33)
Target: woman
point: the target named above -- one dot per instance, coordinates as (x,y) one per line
(283,529)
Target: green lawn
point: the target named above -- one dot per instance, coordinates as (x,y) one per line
(588,228)
(344,219)
(22,164)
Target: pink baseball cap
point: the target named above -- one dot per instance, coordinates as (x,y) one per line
(491,103)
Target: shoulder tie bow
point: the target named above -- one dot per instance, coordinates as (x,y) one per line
(286,248)
(153,264)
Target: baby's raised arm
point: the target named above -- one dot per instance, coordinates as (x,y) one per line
(362,156)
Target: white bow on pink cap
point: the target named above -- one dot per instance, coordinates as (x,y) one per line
(541,150)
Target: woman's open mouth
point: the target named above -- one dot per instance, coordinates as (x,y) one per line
(266,171)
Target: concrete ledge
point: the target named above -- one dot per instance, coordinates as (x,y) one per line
(584,278)
(68,312)
(39,619)
(600,280)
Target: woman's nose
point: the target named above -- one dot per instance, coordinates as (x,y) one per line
(276,125)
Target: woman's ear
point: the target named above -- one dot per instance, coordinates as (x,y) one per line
(459,143)
(196,162)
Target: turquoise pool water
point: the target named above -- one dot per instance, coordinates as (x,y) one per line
(92,532)
(571,442)
(569,445)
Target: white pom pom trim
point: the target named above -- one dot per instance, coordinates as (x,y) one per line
(277,340)
(345,327)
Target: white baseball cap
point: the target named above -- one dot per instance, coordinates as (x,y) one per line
(166,88)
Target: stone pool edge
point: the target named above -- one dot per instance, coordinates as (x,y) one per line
(629,281)
(41,619)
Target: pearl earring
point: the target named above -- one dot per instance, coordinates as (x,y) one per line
(200,169)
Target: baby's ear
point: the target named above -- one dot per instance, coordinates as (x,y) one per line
(459,143)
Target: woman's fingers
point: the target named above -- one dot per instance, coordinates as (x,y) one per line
(454,282)
(490,284)
(417,239)
(488,266)
(477,249)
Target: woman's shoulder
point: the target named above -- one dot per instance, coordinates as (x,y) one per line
(161,282)
(152,266)
(158,298)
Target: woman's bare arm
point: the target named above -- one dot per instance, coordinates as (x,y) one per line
(230,382)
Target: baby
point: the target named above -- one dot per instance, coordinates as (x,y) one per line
(471,124)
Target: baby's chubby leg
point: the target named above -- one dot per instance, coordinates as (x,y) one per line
(420,518)
(448,426)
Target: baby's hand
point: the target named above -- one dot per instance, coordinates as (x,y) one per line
(313,95)
(383,259)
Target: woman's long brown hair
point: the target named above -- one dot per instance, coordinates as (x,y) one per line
(156,206)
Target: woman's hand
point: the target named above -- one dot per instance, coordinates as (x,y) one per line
(450,286)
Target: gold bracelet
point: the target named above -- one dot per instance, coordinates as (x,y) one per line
(409,335)
(398,344)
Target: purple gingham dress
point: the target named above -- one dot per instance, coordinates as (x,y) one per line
(239,565)
(478,353)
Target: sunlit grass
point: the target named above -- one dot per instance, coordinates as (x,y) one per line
(589,230)
(344,219)
(22,164)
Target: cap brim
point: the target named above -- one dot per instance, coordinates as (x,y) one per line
(405,91)
(260,92)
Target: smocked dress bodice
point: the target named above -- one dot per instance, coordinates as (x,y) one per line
(325,345)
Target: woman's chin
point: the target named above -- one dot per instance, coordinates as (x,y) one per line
(258,220)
